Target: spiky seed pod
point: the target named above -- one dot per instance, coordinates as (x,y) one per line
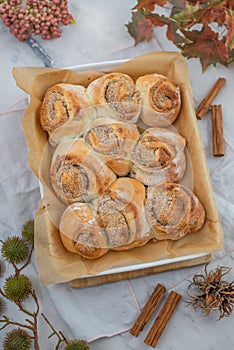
(2,268)
(14,250)
(17,339)
(28,232)
(2,306)
(17,288)
(213,293)
(77,345)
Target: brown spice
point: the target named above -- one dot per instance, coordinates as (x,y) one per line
(163,318)
(217,123)
(148,309)
(205,104)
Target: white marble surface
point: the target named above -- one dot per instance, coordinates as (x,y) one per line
(101,312)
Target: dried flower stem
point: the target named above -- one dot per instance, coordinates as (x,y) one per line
(33,323)
(18,288)
(8,322)
(60,335)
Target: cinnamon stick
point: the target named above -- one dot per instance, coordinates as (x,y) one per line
(148,309)
(217,123)
(205,104)
(161,321)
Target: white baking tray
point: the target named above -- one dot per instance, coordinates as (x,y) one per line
(105,66)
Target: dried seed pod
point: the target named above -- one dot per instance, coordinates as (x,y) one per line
(77,345)
(15,250)
(17,288)
(2,268)
(17,339)
(2,306)
(213,293)
(28,232)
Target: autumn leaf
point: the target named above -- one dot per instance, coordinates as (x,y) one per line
(140,28)
(213,12)
(191,27)
(157,20)
(172,34)
(229,17)
(187,17)
(149,4)
(194,13)
(178,4)
(206,45)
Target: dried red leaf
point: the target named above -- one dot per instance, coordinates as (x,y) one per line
(229,17)
(149,4)
(206,45)
(213,13)
(172,34)
(140,28)
(157,20)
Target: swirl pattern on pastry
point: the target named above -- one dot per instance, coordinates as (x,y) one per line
(115,96)
(158,156)
(80,232)
(161,99)
(76,174)
(173,211)
(113,142)
(120,211)
(65,111)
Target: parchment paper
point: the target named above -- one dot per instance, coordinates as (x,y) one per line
(55,264)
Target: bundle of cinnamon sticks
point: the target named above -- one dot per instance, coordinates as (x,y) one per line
(163,317)
(217,118)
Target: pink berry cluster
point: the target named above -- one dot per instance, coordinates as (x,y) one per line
(38,17)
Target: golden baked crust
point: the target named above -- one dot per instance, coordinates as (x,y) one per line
(65,112)
(113,142)
(116,220)
(161,99)
(120,210)
(158,156)
(80,232)
(115,96)
(173,211)
(76,174)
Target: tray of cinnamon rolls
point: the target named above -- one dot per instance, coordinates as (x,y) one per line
(118,162)
(119,157)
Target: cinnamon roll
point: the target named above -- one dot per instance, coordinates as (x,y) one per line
(80,232)
(120,211)
(173,211)
(115,96)
(65,112)
(76,174)
(158,156)
(161,99)
(113,142)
